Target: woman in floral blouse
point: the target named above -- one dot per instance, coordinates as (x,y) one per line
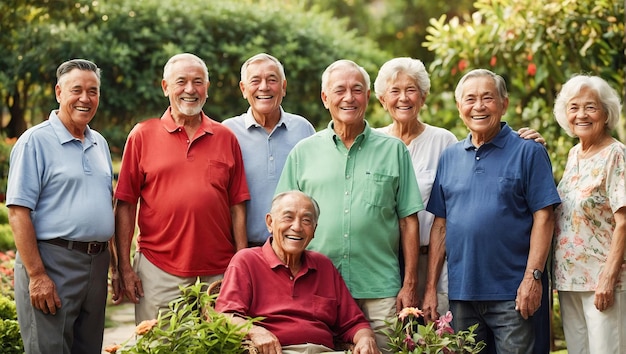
(589,245)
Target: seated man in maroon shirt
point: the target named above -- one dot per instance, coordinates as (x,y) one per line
(301,296)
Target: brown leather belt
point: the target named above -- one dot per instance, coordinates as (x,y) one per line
(90,248)
(424,249)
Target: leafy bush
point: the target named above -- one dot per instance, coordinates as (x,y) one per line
(190,326)
(10,339)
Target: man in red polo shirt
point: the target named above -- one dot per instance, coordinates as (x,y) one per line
(187,173)
(300,294)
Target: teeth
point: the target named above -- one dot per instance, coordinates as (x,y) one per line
(82,109)
(264,97)
(294,238)
(479,117)
(189,99)
(403,108)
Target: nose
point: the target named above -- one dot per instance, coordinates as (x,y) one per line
(581,113)
(479,104)
(263,85)
(296,225)
(189,86)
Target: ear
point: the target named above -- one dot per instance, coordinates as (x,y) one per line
(57,92)
(164,87)
(284,87)
(324,100)
(268,222)
(242,87)
(381,99)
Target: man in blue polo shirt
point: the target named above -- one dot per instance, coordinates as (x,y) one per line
(59,196)
(493,200)
(266,134)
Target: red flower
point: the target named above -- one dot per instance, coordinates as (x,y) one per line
(462,64)
(532,69)
(493,61)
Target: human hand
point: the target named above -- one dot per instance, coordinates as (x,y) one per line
(116,288)
(132,287)
(528,297)
(43,294)
(365,344)
(605,293)
(531,134)
(429,308)
(264,341)
(407,297)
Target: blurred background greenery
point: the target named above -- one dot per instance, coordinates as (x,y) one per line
(535,45)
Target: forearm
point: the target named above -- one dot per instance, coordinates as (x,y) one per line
(409,237)
(238,214)
(26,240)
(436,253)
(540,239)
(124,232)
(615,259)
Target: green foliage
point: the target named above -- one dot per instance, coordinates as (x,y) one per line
(10,339)
(406,335)
(7,242)
(132,40)
(536,47)
(190,326)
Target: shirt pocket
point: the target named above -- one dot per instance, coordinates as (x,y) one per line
(325,309)
(380,189)
(218,174)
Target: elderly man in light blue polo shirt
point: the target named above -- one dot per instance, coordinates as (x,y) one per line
(365,184)
(266,134)
(59,196)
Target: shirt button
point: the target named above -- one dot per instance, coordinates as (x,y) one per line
(271,158)
(347,176)
(346,211)
(346,235)
(477,158)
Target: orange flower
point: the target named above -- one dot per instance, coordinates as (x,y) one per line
(493,61)
(112,348)
(532,69)
(145,327)
(410,311)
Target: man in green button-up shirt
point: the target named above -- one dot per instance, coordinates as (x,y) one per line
(369,198)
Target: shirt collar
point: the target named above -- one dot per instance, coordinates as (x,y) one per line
(498,141)
(63,134)
(171,126)
(249,120)
(359,139)
(274,262)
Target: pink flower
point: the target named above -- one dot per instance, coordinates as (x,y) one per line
(443,324)
(409,342)
(410,311)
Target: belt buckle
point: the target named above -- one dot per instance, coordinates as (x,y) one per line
(94,248)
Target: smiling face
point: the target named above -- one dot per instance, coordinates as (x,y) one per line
(78,94)
(402,98)
(186,85)
(292,222)
(264,87)
(346,96)
(481,107)
(585,116)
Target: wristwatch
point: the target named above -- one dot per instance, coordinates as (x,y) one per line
(537,274)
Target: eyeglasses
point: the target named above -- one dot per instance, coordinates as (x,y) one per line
(588,109)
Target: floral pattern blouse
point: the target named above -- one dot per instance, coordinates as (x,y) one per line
(591,191)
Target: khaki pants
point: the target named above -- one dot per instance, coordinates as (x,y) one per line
(307,349)
(159,287)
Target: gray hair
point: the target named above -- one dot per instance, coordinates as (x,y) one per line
(261,57)
(184,56)
(80,64)
(609,99)
(280,196)
(497,79)
(341,64)
(413,68)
